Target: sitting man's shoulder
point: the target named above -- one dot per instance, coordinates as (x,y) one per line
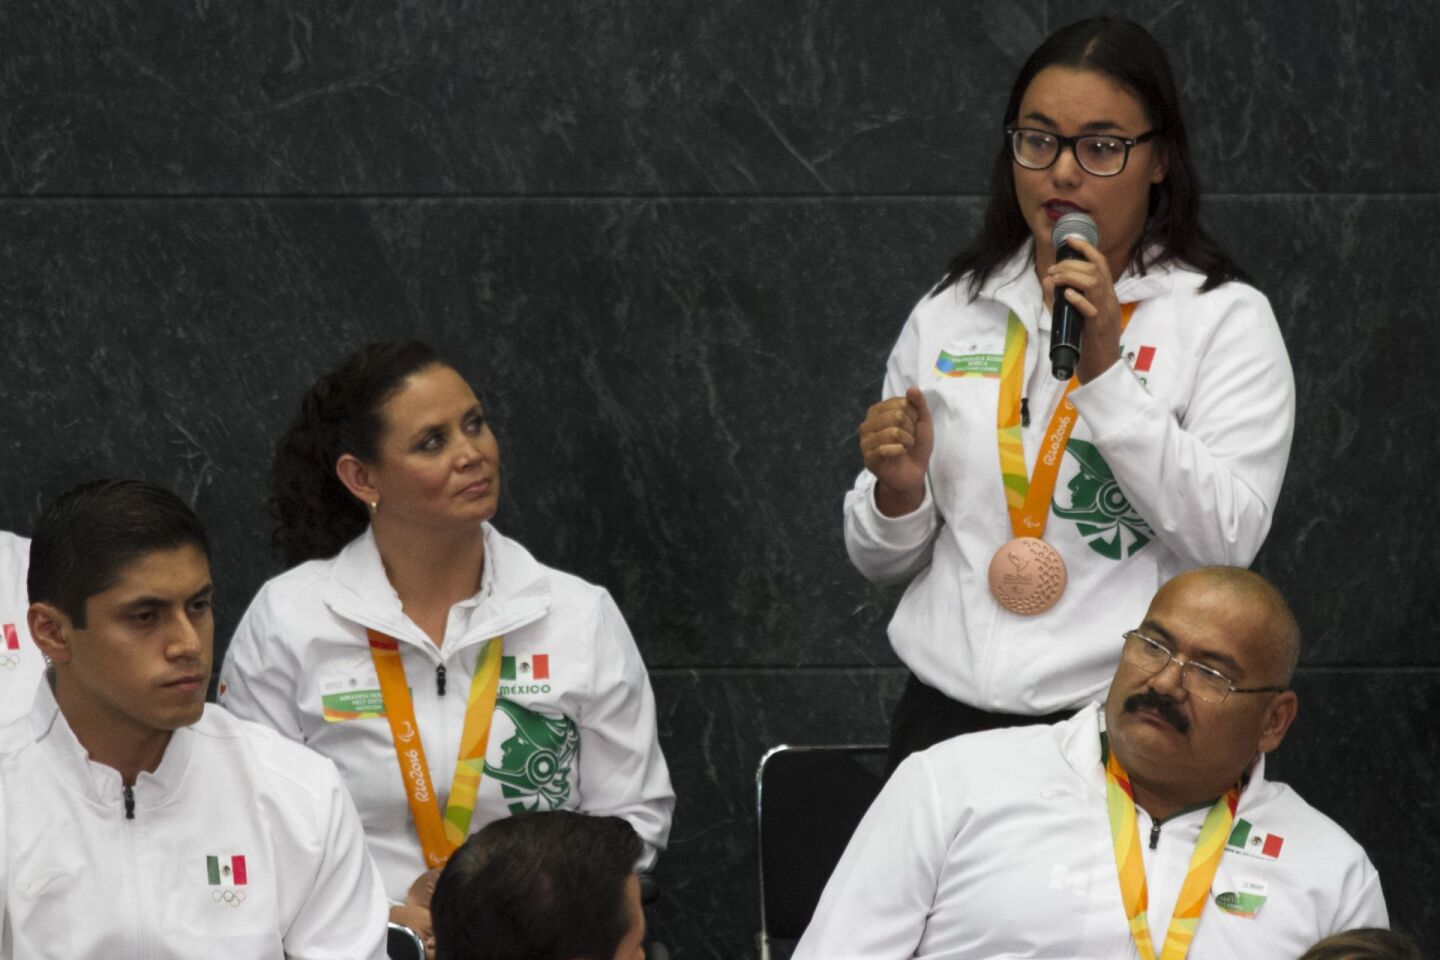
(272,759)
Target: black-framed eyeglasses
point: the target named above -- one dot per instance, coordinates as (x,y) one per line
(1103,155)
(1207,683)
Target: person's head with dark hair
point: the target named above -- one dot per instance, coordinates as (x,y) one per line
(1112,80)
(542,886)
(88,534)
(120,593)
(367,438)
(1365,943)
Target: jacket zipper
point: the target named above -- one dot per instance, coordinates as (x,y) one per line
(440,679)
(1154,834)
(131,868)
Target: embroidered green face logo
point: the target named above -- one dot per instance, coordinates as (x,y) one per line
(1102,514)
(535,762)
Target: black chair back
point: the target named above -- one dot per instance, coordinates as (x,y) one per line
(808,802)
(402,943)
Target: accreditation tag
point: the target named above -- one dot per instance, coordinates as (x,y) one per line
(340,701)
(1244,901)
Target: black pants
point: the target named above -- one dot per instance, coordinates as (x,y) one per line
(925,716)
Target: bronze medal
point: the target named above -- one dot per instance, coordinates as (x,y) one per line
(1027,576)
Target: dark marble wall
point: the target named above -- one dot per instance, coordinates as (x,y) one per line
(672,244)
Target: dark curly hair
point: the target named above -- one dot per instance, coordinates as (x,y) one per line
(315,514)
(1127,53)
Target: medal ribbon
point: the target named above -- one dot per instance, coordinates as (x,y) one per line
(1130,864)
(439,838)
(1028,499)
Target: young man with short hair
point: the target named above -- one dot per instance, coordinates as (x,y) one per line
(542,886)
(135,821)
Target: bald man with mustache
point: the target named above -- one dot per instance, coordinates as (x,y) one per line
(1141,825)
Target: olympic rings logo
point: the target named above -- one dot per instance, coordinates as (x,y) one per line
(230,898)
(9,661)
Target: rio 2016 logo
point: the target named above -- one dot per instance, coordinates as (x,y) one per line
(417,775)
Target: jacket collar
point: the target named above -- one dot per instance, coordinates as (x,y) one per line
(514,591)
(100,784)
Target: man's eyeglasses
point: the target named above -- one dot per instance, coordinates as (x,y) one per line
(1208,684)
(1102,155)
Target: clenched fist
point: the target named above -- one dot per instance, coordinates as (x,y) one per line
(896,440)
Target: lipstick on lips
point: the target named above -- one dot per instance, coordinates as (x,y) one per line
(1055,209)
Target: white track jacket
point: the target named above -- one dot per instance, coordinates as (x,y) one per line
(242,846)
(1176,462)
(997,845)
(574,725)
(20,662)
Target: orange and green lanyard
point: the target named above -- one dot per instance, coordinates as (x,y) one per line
(439,837)
(1028,498)
(1129,862)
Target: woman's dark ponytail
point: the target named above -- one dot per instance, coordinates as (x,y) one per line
(315,514)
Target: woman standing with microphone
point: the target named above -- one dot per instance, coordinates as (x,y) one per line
(452,677)
(1034,518)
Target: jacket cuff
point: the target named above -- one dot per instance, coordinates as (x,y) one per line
(901,532)
(1111,401)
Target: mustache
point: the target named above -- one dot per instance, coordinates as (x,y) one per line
(1164,706)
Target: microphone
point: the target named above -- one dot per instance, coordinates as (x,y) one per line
(1068,323)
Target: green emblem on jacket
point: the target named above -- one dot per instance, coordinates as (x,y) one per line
(1102,514)
(535,762)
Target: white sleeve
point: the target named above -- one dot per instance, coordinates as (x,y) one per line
(344,912)
(5,946)
(1207,480)
(622,771)
(257,681)
(875,905)
(891,549)
(1366,908)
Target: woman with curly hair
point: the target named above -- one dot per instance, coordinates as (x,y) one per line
(452,677)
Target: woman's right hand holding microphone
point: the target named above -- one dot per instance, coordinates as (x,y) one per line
(896,440)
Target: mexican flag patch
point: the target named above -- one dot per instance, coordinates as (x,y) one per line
(532,666)
(226,870)
(1245,837)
